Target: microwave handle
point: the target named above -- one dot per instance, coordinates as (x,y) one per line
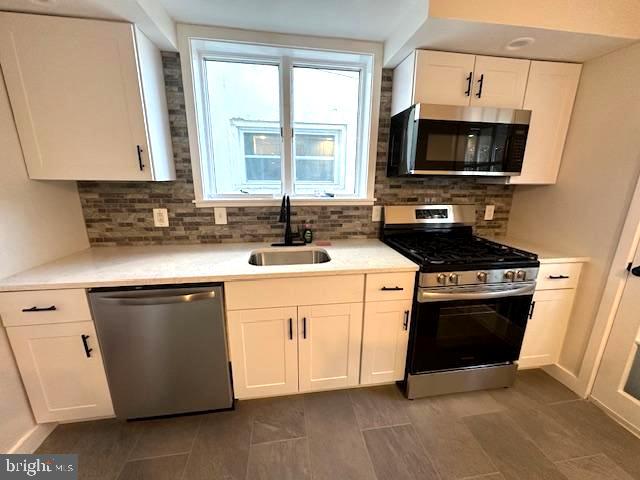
(425,295)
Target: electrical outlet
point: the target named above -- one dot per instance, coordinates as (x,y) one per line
(220,215)
(376,213)
(160,217)
(488,212)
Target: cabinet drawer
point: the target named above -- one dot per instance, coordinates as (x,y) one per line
(283,292)
(558,275)
(40,307)
(390,286)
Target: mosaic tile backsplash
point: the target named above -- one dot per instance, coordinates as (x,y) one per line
(121,213)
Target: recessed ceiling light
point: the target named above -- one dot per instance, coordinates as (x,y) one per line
(519,43)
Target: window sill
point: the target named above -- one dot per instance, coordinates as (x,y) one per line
(299,202)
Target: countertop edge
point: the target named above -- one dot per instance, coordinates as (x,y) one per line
(199,279)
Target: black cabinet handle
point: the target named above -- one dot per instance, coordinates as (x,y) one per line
(467,92)
(391,289)
(304,327)
(558,277)
(531,309)
(405,324)
(52,308)
(291,329)
(140,164)
(636,271)
(87,350)
(480,83)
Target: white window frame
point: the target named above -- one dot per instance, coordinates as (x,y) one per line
(192,80)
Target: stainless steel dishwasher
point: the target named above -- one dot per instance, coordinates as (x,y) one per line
(164,349)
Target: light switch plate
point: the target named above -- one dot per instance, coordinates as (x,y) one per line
(220,215)
(376,213)
(488,212)
(160,217)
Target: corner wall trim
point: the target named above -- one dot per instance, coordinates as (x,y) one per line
(31,440)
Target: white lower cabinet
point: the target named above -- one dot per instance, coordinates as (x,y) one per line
(384,341)
(264,351)
(546,327)
(62,371)
(277,351)
(329,339)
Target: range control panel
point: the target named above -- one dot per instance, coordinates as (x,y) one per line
(480,277)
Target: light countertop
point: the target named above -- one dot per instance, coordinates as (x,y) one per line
(175,264)
(545,255)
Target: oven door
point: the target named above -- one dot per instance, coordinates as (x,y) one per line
(461,327)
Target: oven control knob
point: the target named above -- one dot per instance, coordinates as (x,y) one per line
(509,275)
(482,277)
(521,275)
(442,279)
(453,278)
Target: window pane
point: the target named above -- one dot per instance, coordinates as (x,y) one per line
(244,118)
(325,122)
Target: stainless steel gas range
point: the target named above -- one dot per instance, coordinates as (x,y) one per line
(473,300)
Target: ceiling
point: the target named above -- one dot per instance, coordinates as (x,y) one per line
(357,19)
(402,25)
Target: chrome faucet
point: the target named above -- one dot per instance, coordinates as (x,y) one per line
(285,217)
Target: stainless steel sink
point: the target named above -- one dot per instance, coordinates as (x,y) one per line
(289,256)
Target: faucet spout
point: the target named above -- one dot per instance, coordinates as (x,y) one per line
(285,217)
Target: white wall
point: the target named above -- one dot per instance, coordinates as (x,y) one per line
(39,221)
(584,212)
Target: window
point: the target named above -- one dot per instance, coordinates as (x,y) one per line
(273,120)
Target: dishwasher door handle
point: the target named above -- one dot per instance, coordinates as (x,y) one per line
(159,299)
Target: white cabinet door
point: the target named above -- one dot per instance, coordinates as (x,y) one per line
(443,78)
(329,346)
(499,82)
(546,328)
(264,351)
(384,341)
(63,381)
(75,91)
(551,91)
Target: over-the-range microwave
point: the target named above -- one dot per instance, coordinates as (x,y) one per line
(429,139)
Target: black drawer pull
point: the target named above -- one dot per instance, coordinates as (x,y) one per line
(52,308)
(480,85)
(558,277)
(467,92)
(391,289)
(405,324)
(531,309)
(87,350)
(304,327)
(291,329)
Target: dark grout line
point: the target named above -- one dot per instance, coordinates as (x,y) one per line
(270,442)
(380,427)
(139,459)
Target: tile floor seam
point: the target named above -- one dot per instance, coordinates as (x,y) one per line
(306,431)
(483,475)
(280,440)
(253,419)
(379,427)
(364,442)
(172,454)
(195,437)
(561,402)
(133,446)
(583,457)
(482,449)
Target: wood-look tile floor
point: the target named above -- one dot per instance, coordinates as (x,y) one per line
(535,430)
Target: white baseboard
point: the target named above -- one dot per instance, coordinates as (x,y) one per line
(31,440)
(616,417)
(567,378)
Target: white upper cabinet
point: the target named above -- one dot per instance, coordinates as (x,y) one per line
(443,78)
(88,98)
(499,82)
(551,91)
(459,79)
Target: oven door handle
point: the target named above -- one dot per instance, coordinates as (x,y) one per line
(425,295)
